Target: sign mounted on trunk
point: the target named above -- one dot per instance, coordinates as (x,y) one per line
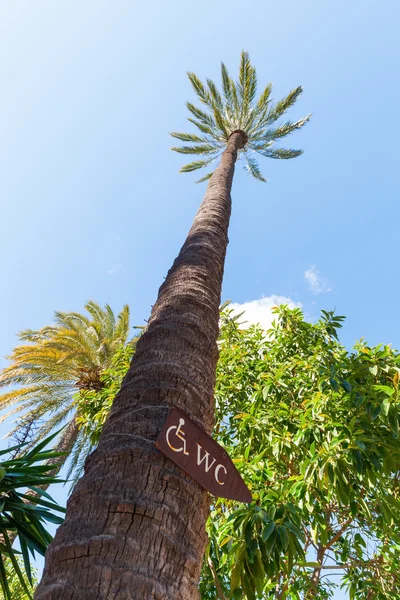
(192,449)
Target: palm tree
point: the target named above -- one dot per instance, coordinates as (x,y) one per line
(51,366)
(135,524)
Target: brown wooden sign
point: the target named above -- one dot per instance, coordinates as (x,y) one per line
(192,449)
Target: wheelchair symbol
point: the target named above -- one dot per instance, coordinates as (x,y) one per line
(180,434)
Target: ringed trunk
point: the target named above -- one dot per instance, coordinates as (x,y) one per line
(135,523)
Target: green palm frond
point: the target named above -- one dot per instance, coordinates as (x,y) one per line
(121,332)
(281,153)
(198,149)
(193,166)
(205,178)
(283,105)
(190,137)
(264,101)
(25,516)
(201,126)
(200,89)
(236,108)
(229,90)
(253,168)
(204,118)
(216,97)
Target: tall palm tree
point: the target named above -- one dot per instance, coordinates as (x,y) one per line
(52,365)
(135,524)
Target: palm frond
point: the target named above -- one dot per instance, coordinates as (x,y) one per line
(23,519)
(253,168)
(200,89)
(285,129)
(205,118)
(247,87)
(221,124)
(227,86)
(193,166)
(205,178)
(121,333)
(203,128)
(190,137)
(97,313)
(282,153)
(264,101)
(199,149)
(215,95)
(283,105)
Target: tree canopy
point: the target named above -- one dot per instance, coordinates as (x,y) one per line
(238,109)
(313,429)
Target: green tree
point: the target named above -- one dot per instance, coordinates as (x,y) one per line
(313,429)
(93,406)
(48,368)
(174,365)
(23,516)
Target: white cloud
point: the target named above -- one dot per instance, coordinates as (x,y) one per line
(259,311)
(316,283)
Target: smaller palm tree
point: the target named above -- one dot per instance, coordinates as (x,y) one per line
(237,110)
(52,365)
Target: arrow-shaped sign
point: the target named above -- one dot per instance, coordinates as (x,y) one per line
(192,449)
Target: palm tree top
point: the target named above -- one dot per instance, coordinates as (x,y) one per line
(238,110)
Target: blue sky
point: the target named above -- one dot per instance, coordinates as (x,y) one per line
(92,205)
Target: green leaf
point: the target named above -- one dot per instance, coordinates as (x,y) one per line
(268,531)
(236,577)
(386,407)
(383,388)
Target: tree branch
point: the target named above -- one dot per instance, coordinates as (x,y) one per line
(220,591)
(339,533)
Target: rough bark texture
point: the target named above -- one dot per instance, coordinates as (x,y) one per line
(135,522)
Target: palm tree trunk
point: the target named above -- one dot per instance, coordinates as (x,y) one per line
(135,524)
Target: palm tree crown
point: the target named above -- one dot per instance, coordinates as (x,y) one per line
(55,362)
(237,109)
